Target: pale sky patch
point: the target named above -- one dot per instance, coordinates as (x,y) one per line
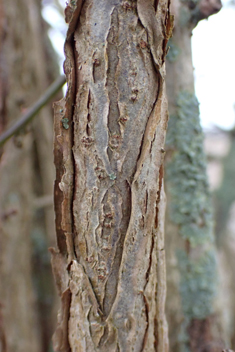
(214,61)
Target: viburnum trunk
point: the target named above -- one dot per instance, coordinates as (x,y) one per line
(109,196)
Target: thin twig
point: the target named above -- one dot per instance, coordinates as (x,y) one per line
(43,201)
(33,110)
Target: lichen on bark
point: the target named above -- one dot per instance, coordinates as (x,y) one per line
(192,265)
(190,206)
(109,188)
(190,210)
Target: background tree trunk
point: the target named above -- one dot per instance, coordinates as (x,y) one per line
(191,254)
(109,198)
(26,176)
(224,198)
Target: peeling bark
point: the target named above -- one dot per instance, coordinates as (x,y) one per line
(109,198)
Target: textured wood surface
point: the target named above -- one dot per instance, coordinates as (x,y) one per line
(109,150)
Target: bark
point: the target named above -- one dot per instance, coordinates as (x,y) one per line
(225,234)
(109,197)
(225,195)
(23,77)
(19,318)
(191,253)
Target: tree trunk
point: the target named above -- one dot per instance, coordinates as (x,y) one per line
(109,197)
(24,74)
(225,231)
(191,254)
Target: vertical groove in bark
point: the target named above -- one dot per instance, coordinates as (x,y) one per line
(109,159)
(192,266)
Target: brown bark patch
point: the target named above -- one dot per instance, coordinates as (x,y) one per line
(202,336)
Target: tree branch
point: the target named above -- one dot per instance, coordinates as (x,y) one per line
(33,110)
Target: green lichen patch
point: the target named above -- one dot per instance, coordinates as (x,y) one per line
(112,177)
(190,206)
(173,52)
(197,284)
(65,123)
(184,16)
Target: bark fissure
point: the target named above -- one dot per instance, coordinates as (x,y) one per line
(147,322)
